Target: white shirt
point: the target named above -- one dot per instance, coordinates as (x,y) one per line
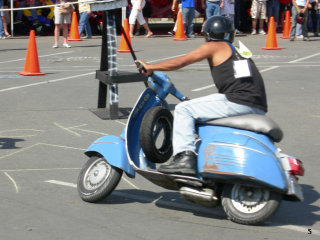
(301,2)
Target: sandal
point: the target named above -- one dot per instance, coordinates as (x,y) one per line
(149,35)
(8,36)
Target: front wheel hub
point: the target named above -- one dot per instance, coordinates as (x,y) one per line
(249,199)
(96,174)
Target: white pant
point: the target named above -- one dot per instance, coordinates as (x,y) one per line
(137,15)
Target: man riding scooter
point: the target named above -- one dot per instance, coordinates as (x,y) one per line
(240,91)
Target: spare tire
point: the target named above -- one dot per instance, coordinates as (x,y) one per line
(156,134)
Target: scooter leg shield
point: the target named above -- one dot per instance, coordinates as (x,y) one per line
(112,148)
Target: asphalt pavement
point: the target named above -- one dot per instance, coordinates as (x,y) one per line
(46,124)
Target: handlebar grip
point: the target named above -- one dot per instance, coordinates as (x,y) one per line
(140,67)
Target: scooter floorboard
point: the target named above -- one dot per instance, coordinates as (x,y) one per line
(170,181)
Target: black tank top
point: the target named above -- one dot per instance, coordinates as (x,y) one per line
(249,91)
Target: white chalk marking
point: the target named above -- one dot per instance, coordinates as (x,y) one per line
(130,183)
(89,131)
(62,183)
(268,69)
(12,180)
(61,146)
(45,144)
(19,151)
(22,59)
(203,88)
(125,124)
(16,130)
(301,59)
(45,82)
(67,129)
(37,169)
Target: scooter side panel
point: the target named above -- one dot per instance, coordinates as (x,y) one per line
(112,148)
(233,153)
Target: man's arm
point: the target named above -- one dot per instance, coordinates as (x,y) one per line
(205,51)
(173,6)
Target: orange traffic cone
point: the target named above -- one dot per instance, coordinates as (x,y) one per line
(31,65)
(74,30)
(271,43)
(286,26)
(180,35)
(123,43)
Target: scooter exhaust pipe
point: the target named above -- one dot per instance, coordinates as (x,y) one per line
(205,197)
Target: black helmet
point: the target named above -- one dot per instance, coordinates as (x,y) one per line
(218,28)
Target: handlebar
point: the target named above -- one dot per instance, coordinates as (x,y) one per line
(161,84)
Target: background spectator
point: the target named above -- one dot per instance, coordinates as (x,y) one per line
(258,11)
(284,6)
(85,13)
(213,7)
(188,13)
(137,14)
(313,6)
(64,20)
(299,8)
(146,12)
(3,24)
(273,9)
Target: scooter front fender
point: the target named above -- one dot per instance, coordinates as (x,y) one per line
(112,148)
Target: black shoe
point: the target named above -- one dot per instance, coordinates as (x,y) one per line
(183,163)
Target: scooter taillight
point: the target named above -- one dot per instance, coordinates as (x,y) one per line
(296,166)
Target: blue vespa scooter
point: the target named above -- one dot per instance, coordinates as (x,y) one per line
(238,164)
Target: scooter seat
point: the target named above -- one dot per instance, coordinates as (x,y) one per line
(252,122)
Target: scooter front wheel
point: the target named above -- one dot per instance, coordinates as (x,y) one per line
(249,205)
(97,179)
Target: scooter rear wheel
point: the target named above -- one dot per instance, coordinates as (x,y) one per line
(249,205)
(156,134)
(97,179)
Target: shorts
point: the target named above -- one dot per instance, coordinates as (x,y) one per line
(59,18)
(258,10)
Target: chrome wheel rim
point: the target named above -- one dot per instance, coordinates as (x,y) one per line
(96,174)
(249,199)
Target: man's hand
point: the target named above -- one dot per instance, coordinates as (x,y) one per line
(144,68)
(222,4)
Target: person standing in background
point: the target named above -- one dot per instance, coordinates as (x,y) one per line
(64,20)
(3,23)
(228,9)
(146,12)
(188,14)
(313,6)
(285,5)
(136,14)
(258,11)
(299,8)
(2,35)
(85,13)
(273,9)
(213,7)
